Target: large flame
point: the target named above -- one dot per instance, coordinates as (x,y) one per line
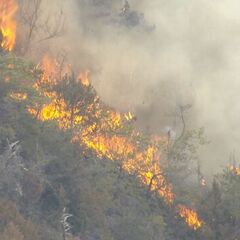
(190,216)
(56,108)
(8,27)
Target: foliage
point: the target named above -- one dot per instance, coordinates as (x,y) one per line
(43,172)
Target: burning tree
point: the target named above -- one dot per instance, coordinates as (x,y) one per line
(71,102)
(191,217)
(8,24)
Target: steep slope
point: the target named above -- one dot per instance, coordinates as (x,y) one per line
(54,165)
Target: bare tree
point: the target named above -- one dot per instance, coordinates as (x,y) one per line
(38,27)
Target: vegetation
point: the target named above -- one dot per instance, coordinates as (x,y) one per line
(73,168)
(45,176)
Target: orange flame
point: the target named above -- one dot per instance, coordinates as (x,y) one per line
(56,109)
(53,71)
(8,9)
(143,163)
(17,96)
(235,170)
(84,78)
(190,216)
(50,69)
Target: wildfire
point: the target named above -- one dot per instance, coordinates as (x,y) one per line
(106,133)
(56,108)
(190,216)
(8,9)
(52,71)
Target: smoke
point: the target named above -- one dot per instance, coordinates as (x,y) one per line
(159,55)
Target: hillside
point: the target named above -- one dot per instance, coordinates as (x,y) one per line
(72,167)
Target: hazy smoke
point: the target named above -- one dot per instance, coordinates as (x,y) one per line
(158,55)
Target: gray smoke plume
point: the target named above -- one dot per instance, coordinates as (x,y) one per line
(153,56)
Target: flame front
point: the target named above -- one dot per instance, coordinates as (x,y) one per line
(107,133)
(190,216)
(145,164)
(8,9)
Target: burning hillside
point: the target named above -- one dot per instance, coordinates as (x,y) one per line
(71,101)
(107,133)
(79,167)
(100,128)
